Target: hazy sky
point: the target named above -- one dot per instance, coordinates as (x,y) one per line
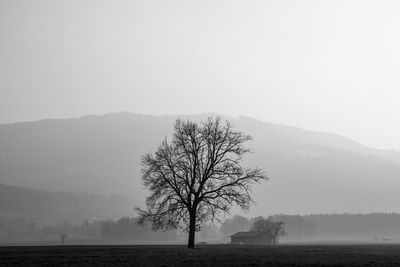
(322,65)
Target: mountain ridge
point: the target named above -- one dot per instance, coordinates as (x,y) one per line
(101,154)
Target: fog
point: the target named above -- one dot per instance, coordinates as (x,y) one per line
(318,65)
(82,176)
(88,87)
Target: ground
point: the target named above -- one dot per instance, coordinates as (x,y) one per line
(207,255)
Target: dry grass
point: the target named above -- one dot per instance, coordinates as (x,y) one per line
(219,255)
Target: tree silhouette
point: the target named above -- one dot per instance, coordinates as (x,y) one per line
(197,176)
(62,238)
(274,229)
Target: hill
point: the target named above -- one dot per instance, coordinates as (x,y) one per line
(310,172)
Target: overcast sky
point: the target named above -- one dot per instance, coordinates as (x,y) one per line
(332,66)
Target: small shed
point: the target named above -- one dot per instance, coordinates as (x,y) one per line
(251,238)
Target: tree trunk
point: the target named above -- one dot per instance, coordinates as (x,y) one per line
(192,229)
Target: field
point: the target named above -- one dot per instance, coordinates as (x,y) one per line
(218,255)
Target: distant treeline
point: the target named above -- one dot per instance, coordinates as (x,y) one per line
(123,229)
(375,227)
(371,227)
(366,227)
(128,229)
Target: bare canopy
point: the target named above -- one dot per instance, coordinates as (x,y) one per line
(274,229)
(197,176)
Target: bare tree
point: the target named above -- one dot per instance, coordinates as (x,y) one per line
(197,176)
(62,238)
(274,229)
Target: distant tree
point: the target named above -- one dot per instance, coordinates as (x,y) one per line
(233,225)
(62,238)
(196,176)
(274,229)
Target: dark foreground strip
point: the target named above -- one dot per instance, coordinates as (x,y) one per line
(219,255)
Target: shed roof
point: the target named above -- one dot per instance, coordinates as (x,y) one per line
(249,234)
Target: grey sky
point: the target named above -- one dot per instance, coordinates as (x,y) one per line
(322,65)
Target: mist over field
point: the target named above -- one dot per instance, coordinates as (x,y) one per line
(82,176)
(199,133)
